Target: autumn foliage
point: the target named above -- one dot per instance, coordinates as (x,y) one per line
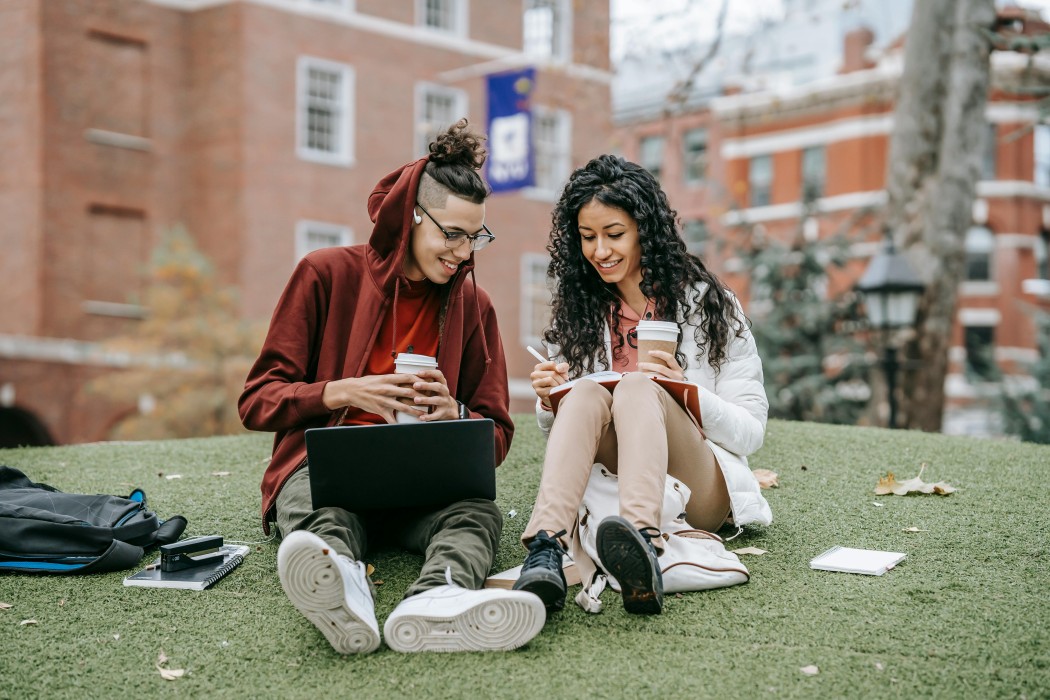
(188,357)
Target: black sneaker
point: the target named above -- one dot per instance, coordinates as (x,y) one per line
(628,556)
(541,574)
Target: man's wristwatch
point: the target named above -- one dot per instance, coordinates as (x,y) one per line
(463,412)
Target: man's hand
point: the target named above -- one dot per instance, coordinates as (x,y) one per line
(382,394)
(433,391)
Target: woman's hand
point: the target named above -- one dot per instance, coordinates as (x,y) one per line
(547,375)
(671,370)
(382,394)
(433,390)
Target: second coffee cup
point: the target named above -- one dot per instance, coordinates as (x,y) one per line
(407,363)
(656,335)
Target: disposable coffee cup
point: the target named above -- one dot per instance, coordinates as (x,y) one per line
(407,363)
(656,335)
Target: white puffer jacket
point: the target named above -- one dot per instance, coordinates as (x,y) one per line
(734,408)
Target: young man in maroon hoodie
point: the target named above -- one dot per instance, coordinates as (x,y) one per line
(328,359)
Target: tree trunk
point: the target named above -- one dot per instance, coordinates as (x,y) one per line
(934,165)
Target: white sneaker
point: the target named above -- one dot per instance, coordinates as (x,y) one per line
(330,590)
(451,618)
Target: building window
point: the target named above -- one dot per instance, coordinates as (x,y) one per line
(1041,140)
(551,146)
(694,155)
(1042,255)
(991,145)
(695,233)
(332,4)
(448,16)
(979,246)
(980,349)
(313,235)
(651,154)
(437,108)
(814,173)
(547,30)
(760,180)
(535,298)
(325,111)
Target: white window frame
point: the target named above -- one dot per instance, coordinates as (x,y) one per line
(560,50)
(332,5)
(690,158)
(530,264)
(460,17)
(653,159)
(1041,155)
(561,151)
(752,182)
(304,227)
(344,154)
(979,242)
(424,134)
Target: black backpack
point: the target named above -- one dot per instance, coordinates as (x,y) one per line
(46,531)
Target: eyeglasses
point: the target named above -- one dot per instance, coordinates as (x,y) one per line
(454,239)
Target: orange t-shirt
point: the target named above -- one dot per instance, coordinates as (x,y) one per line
(418,307)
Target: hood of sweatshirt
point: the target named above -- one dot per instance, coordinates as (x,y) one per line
(390,209)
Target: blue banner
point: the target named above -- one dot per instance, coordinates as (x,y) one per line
(510,163)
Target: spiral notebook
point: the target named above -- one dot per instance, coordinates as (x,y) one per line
(196,578)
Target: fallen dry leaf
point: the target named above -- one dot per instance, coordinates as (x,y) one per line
(369,570)
(766,479)
(171,674)
(889,485)
(62,603)
(5,606)
(27,622)
(169,477)
(879,666)
(750,550)
(116,637)
(220,473)
(162,658)
(913,529)
(810,670)
(877,504)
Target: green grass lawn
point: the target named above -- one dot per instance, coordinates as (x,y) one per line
(965,615)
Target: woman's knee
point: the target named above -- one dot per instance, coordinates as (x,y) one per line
(586,394)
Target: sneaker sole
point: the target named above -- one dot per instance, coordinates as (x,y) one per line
(549,587)
(314,584)
(625,555)
(499,624)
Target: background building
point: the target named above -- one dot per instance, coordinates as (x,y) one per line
(742,144)
(262,126)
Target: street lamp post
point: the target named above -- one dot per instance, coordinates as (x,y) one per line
(891,292)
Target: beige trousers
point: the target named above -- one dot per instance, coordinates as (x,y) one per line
(639,432)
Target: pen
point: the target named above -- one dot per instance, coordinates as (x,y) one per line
(535,353)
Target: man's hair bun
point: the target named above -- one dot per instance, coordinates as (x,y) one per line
(458,146)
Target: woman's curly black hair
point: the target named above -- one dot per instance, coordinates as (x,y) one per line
(582,301)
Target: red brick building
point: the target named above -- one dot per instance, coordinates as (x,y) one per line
(742,158)
(261,125)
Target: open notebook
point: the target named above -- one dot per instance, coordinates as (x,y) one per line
(686,394)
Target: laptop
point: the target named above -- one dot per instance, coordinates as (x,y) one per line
(380,467)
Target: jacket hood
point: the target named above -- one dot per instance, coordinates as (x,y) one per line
(390,209)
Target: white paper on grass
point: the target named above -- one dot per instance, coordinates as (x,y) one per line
(873,562)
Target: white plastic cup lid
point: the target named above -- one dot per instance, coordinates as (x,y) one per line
(405,359)
(658,330)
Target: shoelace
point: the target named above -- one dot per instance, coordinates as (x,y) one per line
(650,534)
(545,552)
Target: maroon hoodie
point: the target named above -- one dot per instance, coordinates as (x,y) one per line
(326,322)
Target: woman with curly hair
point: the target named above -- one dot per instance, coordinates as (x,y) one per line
(617,258)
